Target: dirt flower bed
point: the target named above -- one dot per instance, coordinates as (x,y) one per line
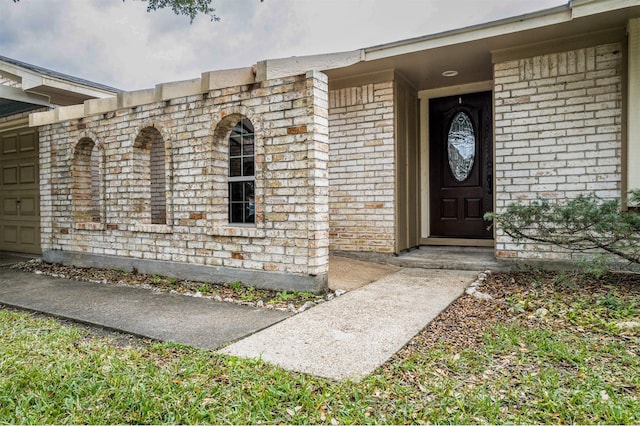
(234,292)
(533,299)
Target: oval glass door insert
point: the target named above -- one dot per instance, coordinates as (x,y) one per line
(461,146)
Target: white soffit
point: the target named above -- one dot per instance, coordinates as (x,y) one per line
(554,16)
(60,89)
(544,18)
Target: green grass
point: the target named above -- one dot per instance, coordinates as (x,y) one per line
(572,365)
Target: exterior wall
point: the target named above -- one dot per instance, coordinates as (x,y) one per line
(287,248)
(362,168)
(557,133)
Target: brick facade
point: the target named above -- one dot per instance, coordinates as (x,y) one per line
(558,132)
(160,231)
(362,168)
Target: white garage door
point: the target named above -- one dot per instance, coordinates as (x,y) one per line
(19,191)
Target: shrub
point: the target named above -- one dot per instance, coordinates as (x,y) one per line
(585,223)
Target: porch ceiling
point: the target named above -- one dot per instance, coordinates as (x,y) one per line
(469,51)
(10,107)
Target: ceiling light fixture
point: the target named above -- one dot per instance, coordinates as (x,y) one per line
(450,73)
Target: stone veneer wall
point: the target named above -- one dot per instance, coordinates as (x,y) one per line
(361,168)
(288,246)
(558,133)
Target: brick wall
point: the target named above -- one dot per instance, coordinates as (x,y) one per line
(290,237)
(85,188)
(558,132)
(361,168)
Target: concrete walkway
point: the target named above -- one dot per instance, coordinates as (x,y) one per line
(347,337)
(202,323)
(352,335)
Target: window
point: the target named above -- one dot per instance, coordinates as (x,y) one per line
(242,173)
(86,182)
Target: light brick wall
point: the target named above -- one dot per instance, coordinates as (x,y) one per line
(361,168)
(85,189)
(290,235)
(557,132)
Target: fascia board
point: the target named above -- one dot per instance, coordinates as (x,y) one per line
(553,16)
(17,94)
(74,88)
(582,8)
(28,79)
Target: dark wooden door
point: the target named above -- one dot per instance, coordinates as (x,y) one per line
(460,165)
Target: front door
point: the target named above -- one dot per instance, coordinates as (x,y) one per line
(460,165)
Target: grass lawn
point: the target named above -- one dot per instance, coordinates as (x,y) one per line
(547,349)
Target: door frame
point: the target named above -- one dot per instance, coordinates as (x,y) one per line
(424,96)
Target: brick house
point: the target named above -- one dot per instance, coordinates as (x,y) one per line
(25,88)
(257,174)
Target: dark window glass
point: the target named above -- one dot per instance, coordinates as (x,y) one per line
(241,173)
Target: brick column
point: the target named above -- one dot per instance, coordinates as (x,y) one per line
(318,177)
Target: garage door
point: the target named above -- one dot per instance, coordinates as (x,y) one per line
(19,191)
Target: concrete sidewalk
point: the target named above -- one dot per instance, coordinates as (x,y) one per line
(352,335)
(347,337)
(202,323)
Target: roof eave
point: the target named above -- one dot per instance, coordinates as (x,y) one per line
(510,25)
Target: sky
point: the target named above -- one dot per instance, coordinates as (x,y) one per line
(119,44)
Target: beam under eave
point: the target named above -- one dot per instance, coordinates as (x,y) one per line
(16,94)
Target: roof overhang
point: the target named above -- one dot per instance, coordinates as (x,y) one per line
(471,51)
(14,101)
(36,87)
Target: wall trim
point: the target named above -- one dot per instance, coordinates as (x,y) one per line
(19,123)
(631,126)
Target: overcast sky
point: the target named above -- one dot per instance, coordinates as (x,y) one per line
(120,44)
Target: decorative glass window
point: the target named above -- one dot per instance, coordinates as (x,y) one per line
(461,146)
(242,173)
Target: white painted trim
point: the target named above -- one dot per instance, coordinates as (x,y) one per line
(633,105)
(17,94)
(424,96)
(71,87)
(580,8)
